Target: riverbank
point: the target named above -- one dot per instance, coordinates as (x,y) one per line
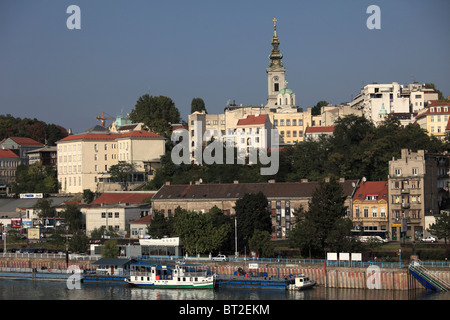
(326,276)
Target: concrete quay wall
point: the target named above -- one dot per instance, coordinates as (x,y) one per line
(342,277)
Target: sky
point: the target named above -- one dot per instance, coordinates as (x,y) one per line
(215,50)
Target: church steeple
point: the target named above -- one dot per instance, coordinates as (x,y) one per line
(275,56)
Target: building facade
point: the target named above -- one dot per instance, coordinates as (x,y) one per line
(283,199)
(9,161)
(413,194)
(21,146)
(370,209)
(434,118)
(84,159)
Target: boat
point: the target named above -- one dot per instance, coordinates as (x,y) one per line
(301,282)
(180,276)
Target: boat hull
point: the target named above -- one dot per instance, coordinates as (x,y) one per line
(171,285)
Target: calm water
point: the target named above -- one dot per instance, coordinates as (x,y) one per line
(58,290)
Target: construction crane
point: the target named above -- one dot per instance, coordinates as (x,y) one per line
(103,118)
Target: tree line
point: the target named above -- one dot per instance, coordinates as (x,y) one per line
(31,128)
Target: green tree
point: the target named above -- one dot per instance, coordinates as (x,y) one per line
(197,104)
(252,213)
(157,113)
(79,242)
(43,208)
(198,233)
(35,178)
(73,217)
(158,226)
(261,243)
(316,110)
(88,196)
(324,220)
(441,228)
(122,173)
(110,249)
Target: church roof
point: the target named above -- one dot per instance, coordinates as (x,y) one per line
(286,91)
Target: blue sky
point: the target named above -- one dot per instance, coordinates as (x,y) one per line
(216,50)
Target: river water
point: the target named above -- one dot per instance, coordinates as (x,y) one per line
(60,290)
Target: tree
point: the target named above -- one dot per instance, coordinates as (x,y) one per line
(122,173)
(110,249)
(261,244)
(441,228)
(73,217)
(198,232)
(252,213)
(88,196)
(157,113)
(35,178)
(197,104)
(159,226)
(43,208)
(316,110)
(79,242)
(324,220)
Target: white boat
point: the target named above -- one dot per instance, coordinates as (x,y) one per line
(301,282)
(180,276)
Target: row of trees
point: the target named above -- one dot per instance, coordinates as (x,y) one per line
(30,128)
(214,231)
(356,149)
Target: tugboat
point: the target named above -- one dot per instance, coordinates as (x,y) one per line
(180,276)
(301,282)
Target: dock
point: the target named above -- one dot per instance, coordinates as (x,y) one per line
(252,282)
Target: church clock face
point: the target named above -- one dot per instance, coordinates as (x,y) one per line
(275,78)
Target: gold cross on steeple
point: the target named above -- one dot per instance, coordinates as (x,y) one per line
(274,26)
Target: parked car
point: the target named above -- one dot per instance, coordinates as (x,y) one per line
(428,239)
(220,257)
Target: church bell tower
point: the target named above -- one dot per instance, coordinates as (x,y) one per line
(275,72)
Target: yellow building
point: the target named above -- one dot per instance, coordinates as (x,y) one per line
(370,209)
(434,118)
(84,159)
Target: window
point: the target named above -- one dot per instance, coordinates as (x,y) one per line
(288,122)
(357,212)
(276,87)
(415,171)
(103,214)
(275,122)
(374,212)
(110,214)
(398,171)
(366,212)
(294,122)
(282,122)
(116,214)
(383,212)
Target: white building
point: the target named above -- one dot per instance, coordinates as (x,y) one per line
(379,100)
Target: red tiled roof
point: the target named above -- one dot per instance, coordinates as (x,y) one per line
(139,134)
(143,220)
(25,141)
(319,129)
(91,136)
(125,197)
(435,104)
(372,188)
(6,153)
(111,136)
(252,120)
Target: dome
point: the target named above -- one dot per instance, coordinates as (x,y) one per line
(286,90)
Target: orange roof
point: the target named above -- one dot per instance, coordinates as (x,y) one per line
(319,129)
(125,197)
(252,120)
(143,220)
(111,136)
(139,134)
(372,188)
(6,153)
(24,141)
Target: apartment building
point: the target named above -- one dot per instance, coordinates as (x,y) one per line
(9,161)
(434,118)
(84,159)
(283,199)
(413,194)
(21,146)
(370,209)
(376,101)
